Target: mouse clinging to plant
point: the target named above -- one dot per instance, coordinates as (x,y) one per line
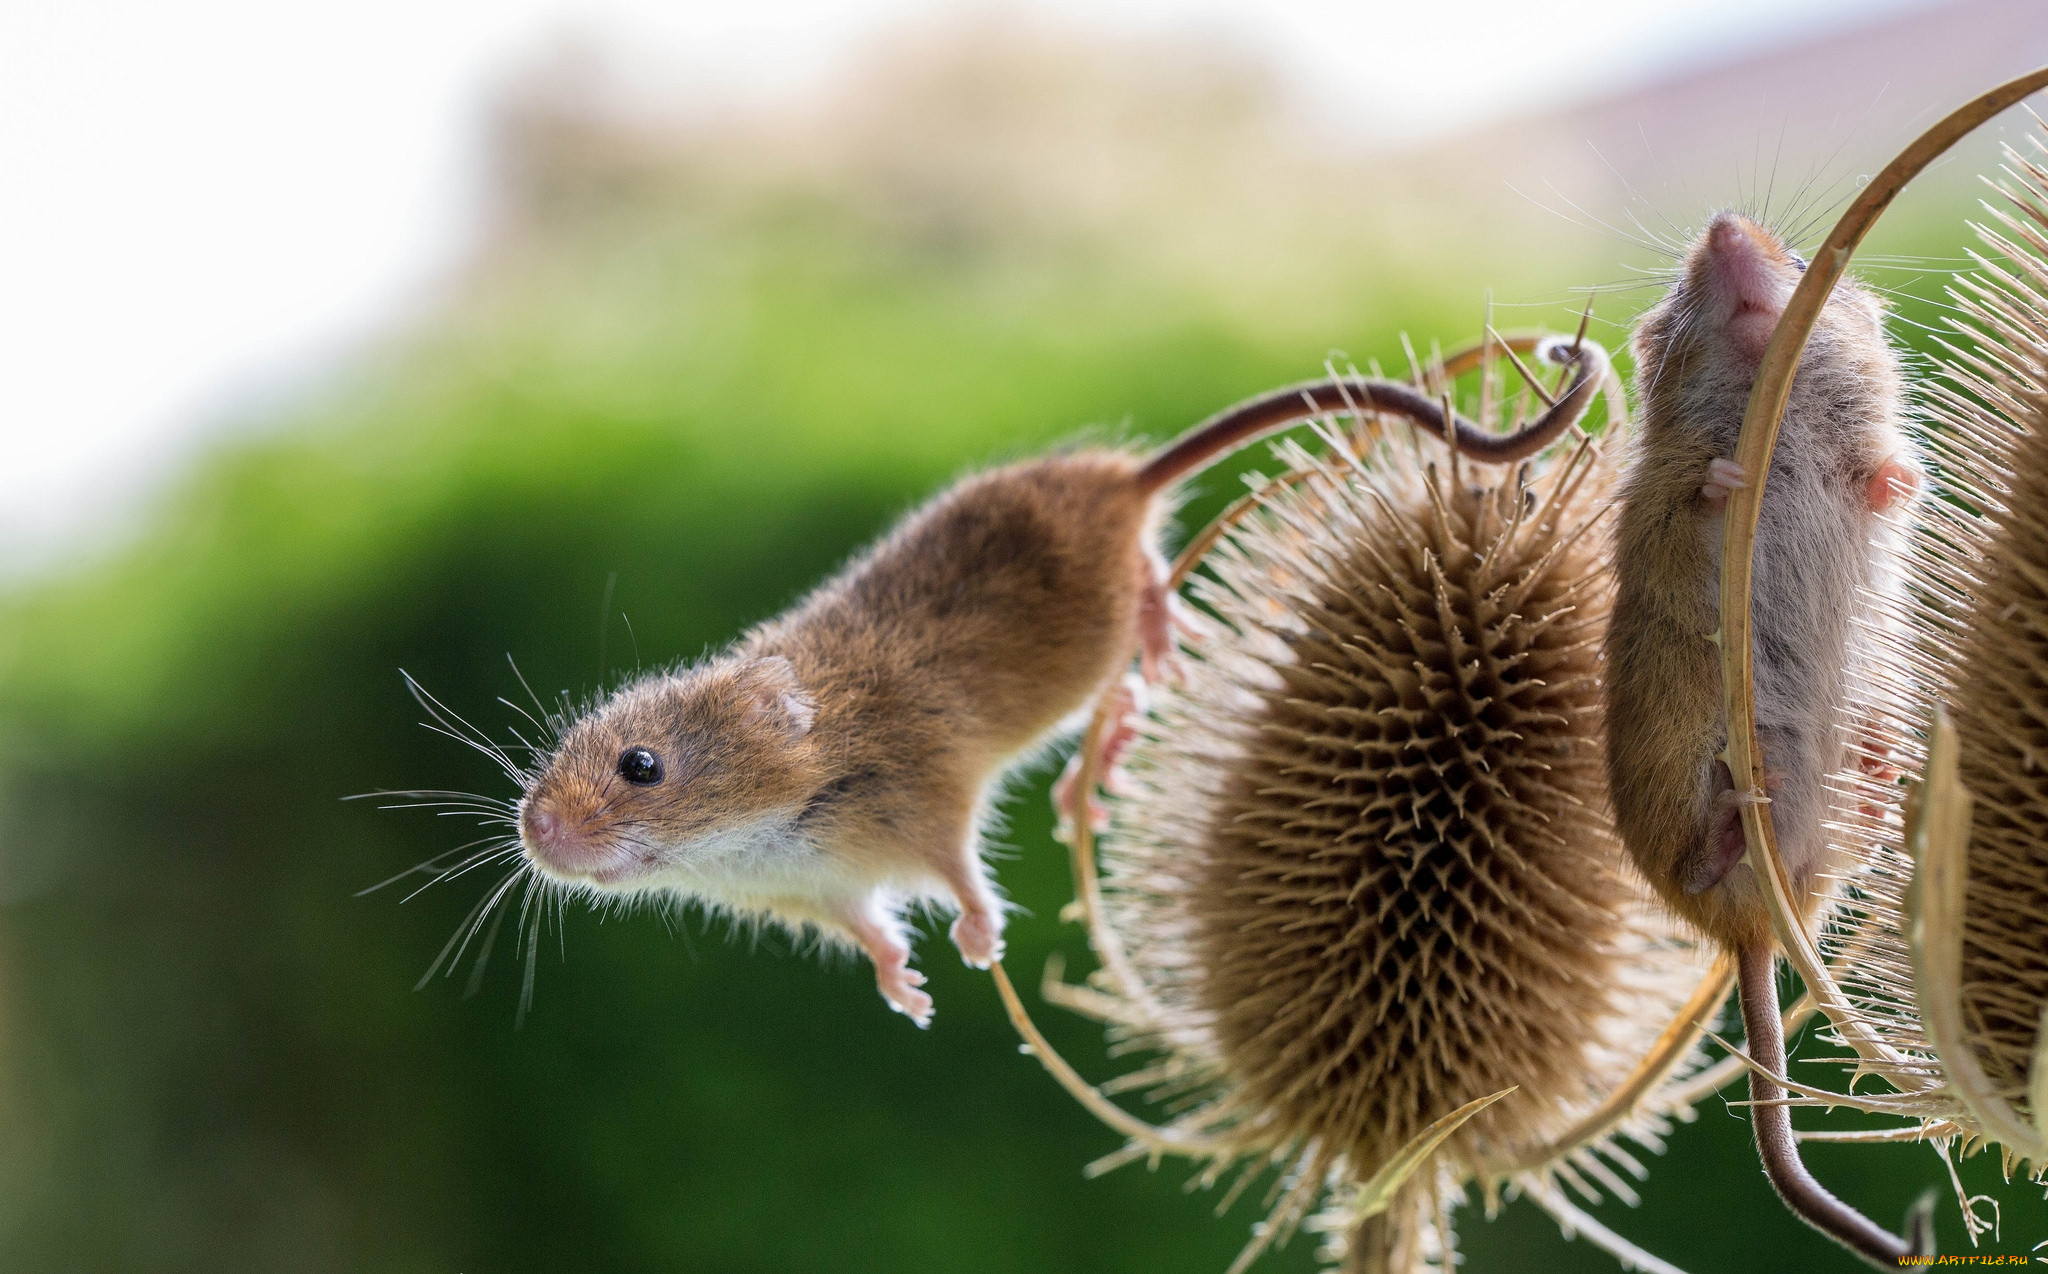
(1824,560)
(835,765)
(1842,462)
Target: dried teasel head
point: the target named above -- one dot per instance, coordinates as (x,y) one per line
(1361,877)
(1952,973)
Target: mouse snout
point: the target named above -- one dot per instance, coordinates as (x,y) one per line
(1751,276)
(540,828)
(551,840)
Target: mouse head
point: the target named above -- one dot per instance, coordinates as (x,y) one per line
(1698,349)
(671,773)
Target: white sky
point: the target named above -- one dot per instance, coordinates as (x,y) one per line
(201,201)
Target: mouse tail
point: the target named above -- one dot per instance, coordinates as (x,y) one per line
(1278,409)
(1777,1146)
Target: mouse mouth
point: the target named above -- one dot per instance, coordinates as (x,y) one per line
(610,868)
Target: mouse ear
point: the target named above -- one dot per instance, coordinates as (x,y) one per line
(778,696)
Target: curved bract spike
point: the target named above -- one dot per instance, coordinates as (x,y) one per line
(2037,1091)
(1379,1189)
(1938,836)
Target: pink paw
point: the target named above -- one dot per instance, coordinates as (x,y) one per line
(979,936)
(1724,478)
(1892,484)
(899,986)
(1127,707)
(1156,620)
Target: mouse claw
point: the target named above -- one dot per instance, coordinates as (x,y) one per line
(1724,478)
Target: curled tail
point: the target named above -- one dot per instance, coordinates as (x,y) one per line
(1234,426)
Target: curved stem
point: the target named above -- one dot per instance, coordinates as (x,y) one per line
(1779,1148)
(1767,399)
(1091,1098)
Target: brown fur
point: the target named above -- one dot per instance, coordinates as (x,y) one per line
(836,764)
(1818,550)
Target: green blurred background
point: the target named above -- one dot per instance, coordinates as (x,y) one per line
(691,370)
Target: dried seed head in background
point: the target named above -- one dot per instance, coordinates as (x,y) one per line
(1363,870)
(1972,975)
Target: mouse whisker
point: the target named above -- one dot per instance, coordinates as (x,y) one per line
(548,729)
(429,865)
(454,725)
(512,770)
(429,793)
(459,940)
(507,847)
(475,981)
(532,942)
(538,705)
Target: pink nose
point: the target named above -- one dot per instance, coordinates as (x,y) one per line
(542,829)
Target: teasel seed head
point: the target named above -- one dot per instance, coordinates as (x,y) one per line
(1361,872)
(1955,971)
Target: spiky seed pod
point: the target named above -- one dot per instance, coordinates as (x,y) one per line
(1977,629)
(1363,867)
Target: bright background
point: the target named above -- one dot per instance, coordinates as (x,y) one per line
(338,340)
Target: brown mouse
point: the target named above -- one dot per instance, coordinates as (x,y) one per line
(1823,554)
(835,766)
(1842,461)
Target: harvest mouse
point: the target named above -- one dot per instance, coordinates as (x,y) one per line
(1823,551)
(834,766)
(1842,460)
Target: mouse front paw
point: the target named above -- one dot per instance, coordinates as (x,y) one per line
(899,986)
(1724,478)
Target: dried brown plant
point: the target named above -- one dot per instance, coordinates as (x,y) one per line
(1365,911)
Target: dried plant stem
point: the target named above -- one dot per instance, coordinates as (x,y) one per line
(1760,423)
(1162,1140)
(1577,1223)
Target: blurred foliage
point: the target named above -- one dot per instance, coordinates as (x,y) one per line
(686,378)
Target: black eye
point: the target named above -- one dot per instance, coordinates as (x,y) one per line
(638,765)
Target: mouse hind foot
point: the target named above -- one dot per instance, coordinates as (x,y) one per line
(1128,705)
(1724,478)
(977,931)
(880,935)
(1725,843)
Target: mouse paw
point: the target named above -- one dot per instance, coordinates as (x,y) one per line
(1724,478)
(1893,484)
(1129,701)
(1158,618)
(899,986)
(979,936)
